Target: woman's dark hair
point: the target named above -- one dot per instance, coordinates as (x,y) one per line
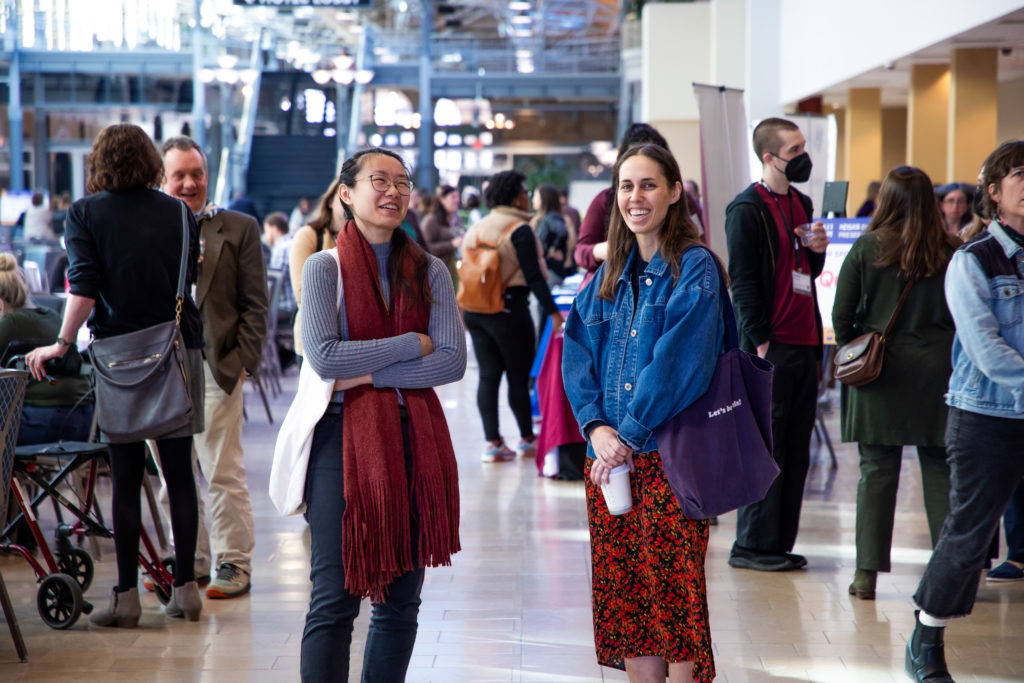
(437,208)
(549,199)
(503,188)
(641,134)
(677,233)
(1005,158)
(401,245)
(324,218)
(123,158)
(472,201)
(910,228)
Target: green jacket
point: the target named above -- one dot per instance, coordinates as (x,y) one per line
(41,326)
(904,406)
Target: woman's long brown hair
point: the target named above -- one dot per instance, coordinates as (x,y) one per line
(911,232)
(677,233)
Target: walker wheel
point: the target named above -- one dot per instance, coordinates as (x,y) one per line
(59,601)
(164,595)
(77,564)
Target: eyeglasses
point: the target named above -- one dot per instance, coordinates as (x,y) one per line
(382,183)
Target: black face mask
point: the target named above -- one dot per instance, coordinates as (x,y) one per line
(798,170)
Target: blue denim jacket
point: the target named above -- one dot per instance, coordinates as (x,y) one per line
(634,373)
(988,349)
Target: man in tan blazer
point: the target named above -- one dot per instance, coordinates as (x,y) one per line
(231,293)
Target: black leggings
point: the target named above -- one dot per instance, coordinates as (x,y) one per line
(127,468)
(503,343)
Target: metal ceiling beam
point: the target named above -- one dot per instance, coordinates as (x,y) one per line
(601,86)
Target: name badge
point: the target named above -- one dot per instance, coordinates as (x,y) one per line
(801,283)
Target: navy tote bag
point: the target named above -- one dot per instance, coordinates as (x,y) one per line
(717,452)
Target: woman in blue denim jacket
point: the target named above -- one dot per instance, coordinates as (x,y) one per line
(641,343)
(985,429)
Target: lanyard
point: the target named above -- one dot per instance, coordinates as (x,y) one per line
(785,221)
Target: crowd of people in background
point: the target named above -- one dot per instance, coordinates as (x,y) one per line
(942,263)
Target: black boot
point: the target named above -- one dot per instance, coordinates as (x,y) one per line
(926,654)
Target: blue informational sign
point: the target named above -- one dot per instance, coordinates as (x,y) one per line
(842,233)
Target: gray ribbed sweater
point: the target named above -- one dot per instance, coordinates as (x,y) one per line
(393,361)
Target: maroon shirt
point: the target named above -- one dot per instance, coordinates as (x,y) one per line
(793,319)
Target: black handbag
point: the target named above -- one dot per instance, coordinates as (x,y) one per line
(142,377)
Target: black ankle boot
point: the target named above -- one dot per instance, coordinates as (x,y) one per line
(926,654)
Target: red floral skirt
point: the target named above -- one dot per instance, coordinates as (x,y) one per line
(649,593)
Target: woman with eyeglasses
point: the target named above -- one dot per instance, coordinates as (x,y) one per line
(955,201)
(365,450)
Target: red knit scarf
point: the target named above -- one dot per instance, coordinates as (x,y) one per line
(376,546)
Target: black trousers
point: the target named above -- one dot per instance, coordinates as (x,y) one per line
(986,470)
(770,526)
(503,344)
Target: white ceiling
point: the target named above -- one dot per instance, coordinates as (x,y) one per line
(1005,33)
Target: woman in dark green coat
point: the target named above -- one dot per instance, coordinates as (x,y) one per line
(904,406)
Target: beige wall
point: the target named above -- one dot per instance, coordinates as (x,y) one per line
(676,48)
(973,113)
(863,141)
(927,119)
(894,139)
(1011,111)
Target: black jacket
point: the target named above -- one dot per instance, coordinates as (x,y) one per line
(753,243)
(124,251)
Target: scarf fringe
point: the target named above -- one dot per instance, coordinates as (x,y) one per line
(377,548)
(376,545)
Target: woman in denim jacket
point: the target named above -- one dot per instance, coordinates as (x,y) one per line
(985,293)
(640,345)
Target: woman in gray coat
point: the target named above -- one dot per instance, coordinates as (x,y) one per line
(905,241)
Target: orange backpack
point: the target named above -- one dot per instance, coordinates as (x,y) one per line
(480,283)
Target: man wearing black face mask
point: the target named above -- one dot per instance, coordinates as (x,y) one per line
(772,271)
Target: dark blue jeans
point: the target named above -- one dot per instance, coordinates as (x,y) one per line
(43,424)
(327,637)
(1013,524)
(985,470)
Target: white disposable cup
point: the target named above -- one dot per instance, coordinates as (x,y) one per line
(616,491)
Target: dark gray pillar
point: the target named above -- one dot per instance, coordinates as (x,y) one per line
(14,111)
(198,87)
(425,171)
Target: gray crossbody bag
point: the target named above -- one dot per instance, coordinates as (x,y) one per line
(141,378)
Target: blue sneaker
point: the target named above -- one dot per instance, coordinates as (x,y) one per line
(499,453)
(527,448)
(1005,572)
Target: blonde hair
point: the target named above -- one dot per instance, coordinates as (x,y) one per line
(13,289)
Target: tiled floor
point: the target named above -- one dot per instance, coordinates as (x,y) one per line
(515,604)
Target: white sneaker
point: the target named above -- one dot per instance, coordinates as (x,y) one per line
(230,582)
